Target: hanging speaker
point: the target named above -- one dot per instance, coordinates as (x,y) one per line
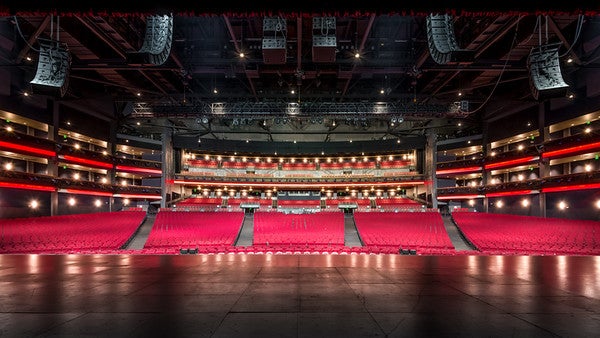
(545,77)
(274,40)
(442,42)
(52,74)
(156,47)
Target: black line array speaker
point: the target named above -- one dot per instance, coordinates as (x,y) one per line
(442,43)
(156,47)
(52,74)
(274,42)
(545,76)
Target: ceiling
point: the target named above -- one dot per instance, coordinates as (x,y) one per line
(393,89)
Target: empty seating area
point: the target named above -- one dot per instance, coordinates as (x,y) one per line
(207,203)
(498,234)
(296,231)
(93,233)
(205,231)
(387,232)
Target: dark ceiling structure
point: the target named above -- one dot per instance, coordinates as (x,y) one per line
(379,81)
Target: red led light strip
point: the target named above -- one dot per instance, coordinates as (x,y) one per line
(511,162)
(26,186)
(571,150)
(303,185)
(510,193)
(27,149)
(458,197)
(139,170)
(91,163)
(457,170)
(86,192)
(138,196)
(572,187)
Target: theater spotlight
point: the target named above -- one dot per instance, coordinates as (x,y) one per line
(545,77)
(442,43)
(157,42)
(52,74)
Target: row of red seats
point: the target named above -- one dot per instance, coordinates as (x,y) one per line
(292,229)
(500,234)
(95,232)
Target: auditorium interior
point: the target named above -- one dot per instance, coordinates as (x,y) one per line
(299,170)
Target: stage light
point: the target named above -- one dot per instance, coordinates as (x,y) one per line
(442,43)
(545,77)
(156,47)
(52,74)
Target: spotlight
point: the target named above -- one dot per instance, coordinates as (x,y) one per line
(52,74)
(545,78)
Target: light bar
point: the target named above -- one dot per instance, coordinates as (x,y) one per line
(139,170)
(27,149)
(457,170)
(564,151)
(86,192)
(91,163)
(511,193)
(303,185)
(137,196)
(459,197)
(26,186)
(511,162)
(572,187)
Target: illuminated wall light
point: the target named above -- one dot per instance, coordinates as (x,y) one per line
(525,203)
(269,160)
(232,193)
(562,205)
(293,160)
(341,159)
(281,160)
(219,158)
(365,159)
(471,202)
(72,201)
(219,193)
(378,193)
(499,204)
(378,159)
(126,201)
(244,193)
(244,159)
(8,166)
(98,203)
(205,193)
(104,180)
(597,204)
(206,157)
(353,159)
(123,182)
(390,157)
(232,158)
(305,160)
(588,130)
(520,177)
(77,146)
(329,160)
(588,167)
(104,153)
(33,204)
(9,128)
(76,176)
(473,183)
(520,147)
(392,193)
(493,153)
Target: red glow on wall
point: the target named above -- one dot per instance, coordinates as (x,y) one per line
(138,196)
(26,186)
(457,170)
(87,192)
(90,163)
(510,193)
(458,197)
(139,170)
(572,187)
(571,150)
(511,162)
(28,149)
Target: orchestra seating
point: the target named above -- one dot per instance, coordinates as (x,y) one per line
(205,231)
(388,232)
(499,234)
(104,232)
(299,232)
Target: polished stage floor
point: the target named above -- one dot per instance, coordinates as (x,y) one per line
(299,296)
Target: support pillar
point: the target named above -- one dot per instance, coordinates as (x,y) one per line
(111,173)
(168,168)
(544,165)
(430,165)
(52,106)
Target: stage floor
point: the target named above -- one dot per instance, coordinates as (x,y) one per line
(236,295)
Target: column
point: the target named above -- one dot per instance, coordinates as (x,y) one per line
(111,149)
(486,176)
(52,106)
(544,165)
(168,168)
(430,165)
